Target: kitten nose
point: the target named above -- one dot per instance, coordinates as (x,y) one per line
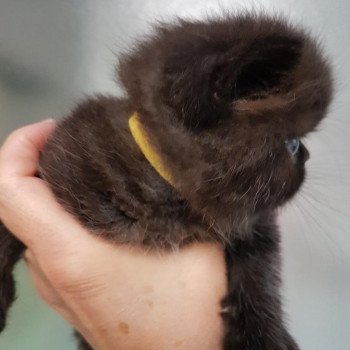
(304,154)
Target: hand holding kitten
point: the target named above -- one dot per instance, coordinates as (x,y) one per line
(157,299)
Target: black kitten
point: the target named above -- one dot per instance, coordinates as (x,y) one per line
(223,104)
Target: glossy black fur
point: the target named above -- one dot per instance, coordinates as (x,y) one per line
(218,99)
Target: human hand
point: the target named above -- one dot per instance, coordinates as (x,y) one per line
(115,296)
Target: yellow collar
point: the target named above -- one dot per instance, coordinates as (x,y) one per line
(147,149)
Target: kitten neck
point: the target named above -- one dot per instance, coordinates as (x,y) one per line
(141,138)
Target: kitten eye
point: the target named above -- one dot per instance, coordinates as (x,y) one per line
(292,146)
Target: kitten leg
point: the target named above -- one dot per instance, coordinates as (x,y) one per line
(252,309)
(82,343)
(10,253)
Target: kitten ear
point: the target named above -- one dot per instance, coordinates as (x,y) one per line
(270,60)
(202,88)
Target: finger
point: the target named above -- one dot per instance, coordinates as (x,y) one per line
(27,206)
(30,211)
(25,200)
(44,287)
(46,291)
(19,154)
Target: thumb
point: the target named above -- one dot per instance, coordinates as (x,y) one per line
(27,206)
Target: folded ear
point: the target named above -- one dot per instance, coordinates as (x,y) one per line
(270,60)
(201,88)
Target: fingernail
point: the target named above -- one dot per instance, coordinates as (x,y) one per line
(48,120)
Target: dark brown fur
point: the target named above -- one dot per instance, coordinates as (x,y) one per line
(218,99)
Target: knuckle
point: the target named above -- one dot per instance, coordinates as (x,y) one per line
(64,273)
(9,189)
(17,135)
(28,257)
(49,297)
(73,281)
(6,189)
(16,139)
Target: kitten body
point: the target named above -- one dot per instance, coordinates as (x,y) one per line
(219,101)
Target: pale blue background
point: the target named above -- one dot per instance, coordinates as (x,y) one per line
(53,52)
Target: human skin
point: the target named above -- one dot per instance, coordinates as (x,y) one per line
(117,297)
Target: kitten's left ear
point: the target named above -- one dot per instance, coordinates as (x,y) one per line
(201,87)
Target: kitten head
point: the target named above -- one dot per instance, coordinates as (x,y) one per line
(225,102)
